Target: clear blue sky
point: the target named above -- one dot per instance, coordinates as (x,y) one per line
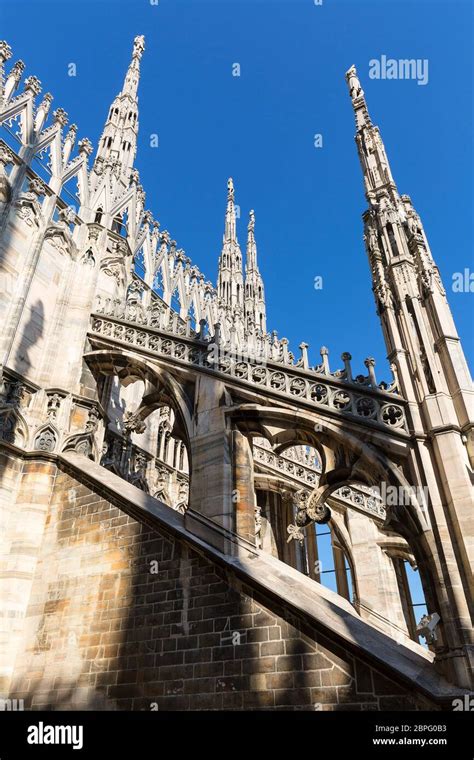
(259,128)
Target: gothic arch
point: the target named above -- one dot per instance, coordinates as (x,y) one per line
(161,388)
(82,443)
(140,415)
(346,457)
(46,438)
(13,427)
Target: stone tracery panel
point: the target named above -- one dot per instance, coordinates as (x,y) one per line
(384,413)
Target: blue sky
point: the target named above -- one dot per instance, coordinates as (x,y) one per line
(259,128)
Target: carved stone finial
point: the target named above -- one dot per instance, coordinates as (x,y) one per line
(370,364)
(33,84)
(230,189)
(85,146)
(60,116)
(46,102)
(324,353)
(217,334)
(5,51)
(72,133)
(17,70)
(13,79)
(202,327)
(346,358)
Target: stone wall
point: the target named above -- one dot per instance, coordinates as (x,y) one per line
(124,617)
(25,491)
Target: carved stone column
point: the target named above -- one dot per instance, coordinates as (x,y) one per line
(377,587)
(243,493)
(211,455)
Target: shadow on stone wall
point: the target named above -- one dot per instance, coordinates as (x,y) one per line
(124,615)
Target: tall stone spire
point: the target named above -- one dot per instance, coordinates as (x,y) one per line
(422,343)
(230,287)
(255,312)
(251,262)
(230,233)
(118,143)
(374,162)
(132,77)
(410,297)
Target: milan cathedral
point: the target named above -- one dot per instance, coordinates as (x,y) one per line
(170,469)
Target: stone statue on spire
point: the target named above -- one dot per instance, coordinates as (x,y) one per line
(251,224)
(355,89)
(138,46)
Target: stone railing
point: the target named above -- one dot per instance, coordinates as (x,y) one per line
(373,406)
(284,465)
(259,348)
(362,500)
(155,313)
(355,497)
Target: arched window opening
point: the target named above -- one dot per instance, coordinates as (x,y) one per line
(391,237)
(171,459)
(411,596)
(117,224)
(321,556)
(331,565)
(175,454)
(155,453)
(166,446)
